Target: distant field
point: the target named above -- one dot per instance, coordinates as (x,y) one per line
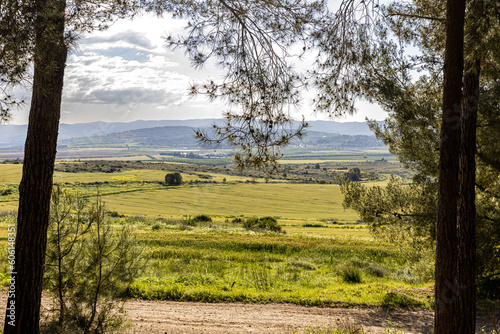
(10,173)
(125,194)
(302,201)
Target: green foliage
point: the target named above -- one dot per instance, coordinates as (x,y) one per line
(401,213)
(173,179)
(264,223)
(251,43)
(396,299)
(313,225)
(89,264)
(351,274)
(354,174)
(202,219)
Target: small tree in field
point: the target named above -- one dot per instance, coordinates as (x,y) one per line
(89,262)
(173,179)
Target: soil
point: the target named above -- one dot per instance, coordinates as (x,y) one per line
(186,317)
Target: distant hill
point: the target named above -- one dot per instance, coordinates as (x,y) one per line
(183,137)
(16,134)
(171,136)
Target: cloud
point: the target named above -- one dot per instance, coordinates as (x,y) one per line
(126,96)
(118,78)
(129,37)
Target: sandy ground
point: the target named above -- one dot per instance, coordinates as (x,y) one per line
(184,317)
(166,317)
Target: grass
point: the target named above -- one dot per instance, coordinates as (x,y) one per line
(10,173)
(298,201)
(223,262)
(219,261)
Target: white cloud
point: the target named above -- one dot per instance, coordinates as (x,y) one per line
(126,73)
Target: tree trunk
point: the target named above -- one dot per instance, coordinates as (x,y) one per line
(467,175)
(447,288)
(466,202)
(23,305)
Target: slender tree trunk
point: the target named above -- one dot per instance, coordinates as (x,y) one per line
(36,184)
(467,199)
(467,175)
(447,288)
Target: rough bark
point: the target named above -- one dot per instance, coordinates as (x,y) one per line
(447,288)
(466,202)
(467,174)
(36,184)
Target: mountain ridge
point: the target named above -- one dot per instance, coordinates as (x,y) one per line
(15,134)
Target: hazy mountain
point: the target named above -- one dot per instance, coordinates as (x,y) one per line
(171,136)
(16,134)
(183,137)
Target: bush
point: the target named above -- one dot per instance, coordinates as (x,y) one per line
(354,174)
(264,223)
(396,299)
(376,270)
(237,220)
(202,219)
(489,288)
(351,274)
(173,179)
(5,192)
(89,264)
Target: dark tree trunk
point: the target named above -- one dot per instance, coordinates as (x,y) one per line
(36,184)
(467,175)
(447,288)
(467,199)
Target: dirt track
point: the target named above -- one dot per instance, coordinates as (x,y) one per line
(183,317)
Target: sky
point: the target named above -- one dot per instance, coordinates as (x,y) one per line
(126,73)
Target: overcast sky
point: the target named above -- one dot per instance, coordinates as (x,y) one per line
(125,73)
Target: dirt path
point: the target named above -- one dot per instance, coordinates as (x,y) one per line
(184,317)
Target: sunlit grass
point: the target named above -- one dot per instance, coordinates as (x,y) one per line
(222,262)
(261,199)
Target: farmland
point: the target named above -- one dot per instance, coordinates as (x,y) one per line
(324,255)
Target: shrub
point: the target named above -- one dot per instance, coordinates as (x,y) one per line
(202,218)
(250,223)
(5,192)
(489,288)
(376,270)
(354,174)
(156,227)
(89,263)
(264,223)
(115,214)
(351,274)
(173,179)
(396,299)
(313,225)
(269,223)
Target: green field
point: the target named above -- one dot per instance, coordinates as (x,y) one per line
(300,201)
(137,192)
(221,261)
